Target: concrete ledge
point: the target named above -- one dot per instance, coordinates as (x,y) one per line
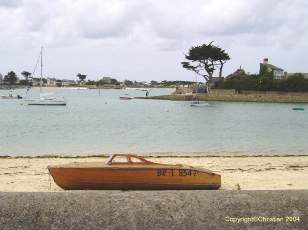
(154,210)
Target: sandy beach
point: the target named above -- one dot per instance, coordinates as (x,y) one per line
(238,173)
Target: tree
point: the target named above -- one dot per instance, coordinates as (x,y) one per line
(89,82)
(26,75)
(204,59)
(153,82)
(128,82)
(11,78)
(222,57)
(265,72)
(81,77)
(114,81)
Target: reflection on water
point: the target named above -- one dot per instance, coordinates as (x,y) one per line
(95,124)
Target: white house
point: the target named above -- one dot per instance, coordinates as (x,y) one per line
(51,82)
(278,73)
(66,82)
(36,82)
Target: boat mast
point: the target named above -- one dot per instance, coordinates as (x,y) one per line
(197,88)
(41,83)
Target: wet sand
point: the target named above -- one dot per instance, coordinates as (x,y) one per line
(238,173)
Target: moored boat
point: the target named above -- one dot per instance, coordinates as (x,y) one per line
(199,104)
(46,102)
(11,97)
(126,98)
(299,108)
(126,171)
(42,100)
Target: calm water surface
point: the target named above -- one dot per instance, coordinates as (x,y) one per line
(96,124)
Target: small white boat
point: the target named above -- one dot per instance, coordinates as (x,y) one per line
(11,97)
(43,99)
(126,98)
(142,89)
(46,101)
(199,104)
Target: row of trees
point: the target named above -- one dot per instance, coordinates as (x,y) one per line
(128,83)
(11,78)
(265,82)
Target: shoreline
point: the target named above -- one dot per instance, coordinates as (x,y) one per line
(56,156)
(231,96)
(238,173)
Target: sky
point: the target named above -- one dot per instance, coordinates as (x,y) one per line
(146,40)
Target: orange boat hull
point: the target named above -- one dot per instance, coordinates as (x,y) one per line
(134,178)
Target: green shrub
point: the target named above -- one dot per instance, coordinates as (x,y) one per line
(265,82)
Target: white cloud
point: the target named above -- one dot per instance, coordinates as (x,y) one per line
(9,3)
(173,26)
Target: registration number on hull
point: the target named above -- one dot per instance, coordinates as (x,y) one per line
(176,172)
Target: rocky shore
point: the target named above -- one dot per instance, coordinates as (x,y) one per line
(232,96)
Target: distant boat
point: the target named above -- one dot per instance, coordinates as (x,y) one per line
(142,89)
(126,171)
(126,98)
(82,88)
(44,100)
(11,97)
(198,104)
(299,108)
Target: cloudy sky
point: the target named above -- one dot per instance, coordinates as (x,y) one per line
(147,39)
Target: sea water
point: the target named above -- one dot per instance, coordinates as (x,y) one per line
(96,122)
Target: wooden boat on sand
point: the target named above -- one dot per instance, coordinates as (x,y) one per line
(126,171)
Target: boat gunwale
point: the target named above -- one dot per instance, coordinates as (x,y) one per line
(135,167)
(153,186)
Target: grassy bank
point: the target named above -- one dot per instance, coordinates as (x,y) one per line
(248,96)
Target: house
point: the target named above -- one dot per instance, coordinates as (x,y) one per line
(51,82)
(237,74)
(278,73)
(36,81)
(66,82)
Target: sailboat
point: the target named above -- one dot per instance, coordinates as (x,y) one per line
(43,100)
(196,102)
